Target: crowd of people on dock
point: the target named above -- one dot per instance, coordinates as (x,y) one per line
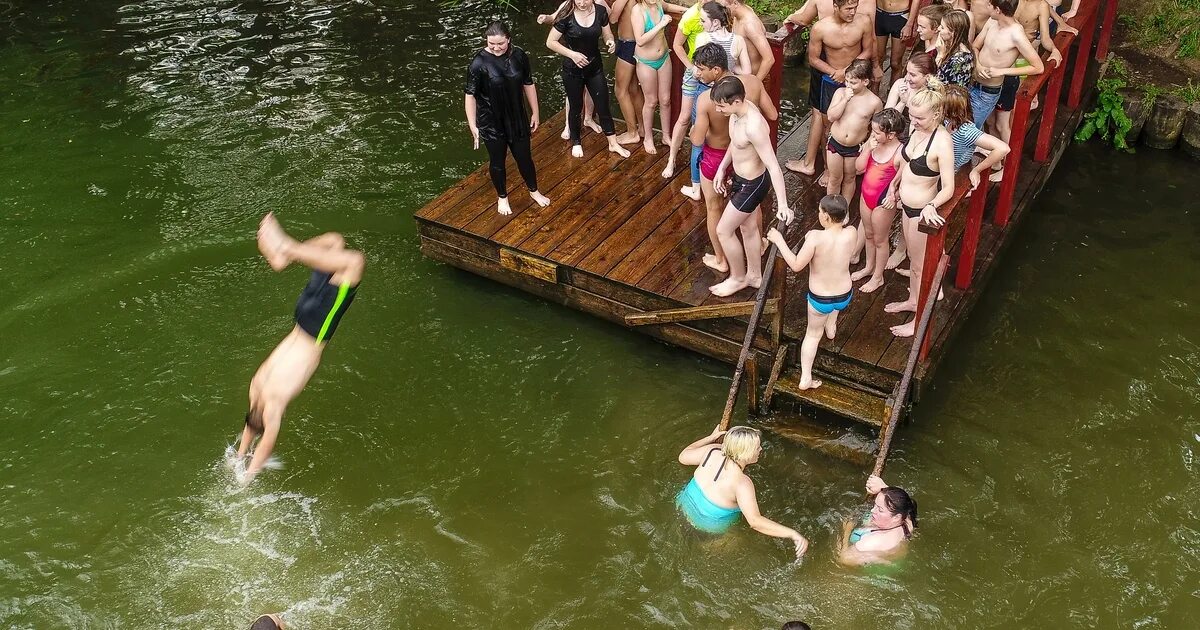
(906,138)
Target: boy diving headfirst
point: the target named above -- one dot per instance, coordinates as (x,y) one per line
(330,290)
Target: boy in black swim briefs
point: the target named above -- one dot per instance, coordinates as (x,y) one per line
(330,290)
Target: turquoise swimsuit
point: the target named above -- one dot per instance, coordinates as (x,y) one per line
(700,511)
(654,63)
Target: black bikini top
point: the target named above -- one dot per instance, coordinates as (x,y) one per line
(710,452)
(920,165)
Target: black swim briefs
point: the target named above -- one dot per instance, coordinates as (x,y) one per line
(625,49)
(889,24)
(1008,94)
(828,88)
(321,306)
(837,147)
(748,194)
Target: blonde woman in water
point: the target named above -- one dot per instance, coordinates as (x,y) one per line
(720,489)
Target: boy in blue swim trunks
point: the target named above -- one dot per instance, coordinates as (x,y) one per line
(826,253)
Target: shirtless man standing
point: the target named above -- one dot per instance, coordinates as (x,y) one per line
(711,132)
(335,277)
(833,43)
(826,253)
(895,20)
(753,158)
(747,24)
(997,48)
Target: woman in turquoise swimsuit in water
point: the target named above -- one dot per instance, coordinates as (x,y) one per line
(882,535)
(720,490)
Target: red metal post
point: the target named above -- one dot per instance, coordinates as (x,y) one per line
(775,86)
(934,244)
(1012,164)
(1050,101)
(1082,56)
(970,239)
(1110,18)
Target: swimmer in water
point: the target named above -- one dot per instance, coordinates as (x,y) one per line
(883,534)
(268,622)
(720,490)
(331,288)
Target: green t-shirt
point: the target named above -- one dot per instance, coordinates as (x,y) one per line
(691,24)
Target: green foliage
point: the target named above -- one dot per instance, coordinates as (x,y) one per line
(1108,119)
(1168,21)
(1150,94)
(1190,93)
(777,9)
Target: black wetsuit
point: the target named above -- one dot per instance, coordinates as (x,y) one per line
(321,306)
(498,84)
(575,79)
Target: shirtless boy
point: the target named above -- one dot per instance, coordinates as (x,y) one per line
(997,47)
(711,132)
(335,277)
(850,111)
(833,43)
(747,24)
(753,158)
(826,253)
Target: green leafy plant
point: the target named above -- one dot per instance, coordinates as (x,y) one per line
(1190,93)
(1165,22)
(1108,118)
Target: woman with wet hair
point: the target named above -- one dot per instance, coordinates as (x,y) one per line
(720,490)
(884,533)
(955,59)
(499,83)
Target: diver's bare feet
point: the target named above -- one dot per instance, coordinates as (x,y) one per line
(629,137)
(860,274)
(907,306)
(691,192)
(613,147)
(273,242)
(904,330)
(872,284)
(539,198)
(800,166)
(577,151)
(809,383)
(648,145)
(728,287)
(502,206)
(710,261)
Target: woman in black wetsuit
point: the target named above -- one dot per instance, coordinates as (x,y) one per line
(497,81)
(576,36)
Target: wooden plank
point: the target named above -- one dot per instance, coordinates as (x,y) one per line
(528,265)
(693,313)
(634,231)
(847,402)
(454,238)
(651,251)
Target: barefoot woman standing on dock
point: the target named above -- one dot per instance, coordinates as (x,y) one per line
(576,36)
(498,81)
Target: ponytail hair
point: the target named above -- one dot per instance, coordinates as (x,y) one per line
(564,11)
(923,63)
(899,502)
(498,28)
(891,120)
(717,11)
(932,96)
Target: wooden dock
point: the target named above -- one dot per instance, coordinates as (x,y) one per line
(620,242)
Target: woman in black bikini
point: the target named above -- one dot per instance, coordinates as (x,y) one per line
(925,182)
(576,36)
(498,82)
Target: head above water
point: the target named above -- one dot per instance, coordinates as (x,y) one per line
(742,445)
(268,622)
(795,625)
(894,508)
(711,62)
(833,210)
(497,38)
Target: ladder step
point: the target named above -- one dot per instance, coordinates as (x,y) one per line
(840,443)
(841,399)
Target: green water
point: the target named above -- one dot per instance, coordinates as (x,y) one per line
(468,456)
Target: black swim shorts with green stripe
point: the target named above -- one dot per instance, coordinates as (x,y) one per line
(321,306)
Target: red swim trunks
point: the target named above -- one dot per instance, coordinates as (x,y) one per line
(710,159)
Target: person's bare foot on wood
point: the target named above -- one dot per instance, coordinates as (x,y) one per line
(502,206)
(728,287)
(648,145)
(800,166)
(710,261)
(860,274)
(904,330)
(539,198)
(907,306)
(871,285)
(808,383)
(629,137)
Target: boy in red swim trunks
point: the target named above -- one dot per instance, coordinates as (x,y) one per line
(711,131)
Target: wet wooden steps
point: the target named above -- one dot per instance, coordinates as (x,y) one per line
(836,397)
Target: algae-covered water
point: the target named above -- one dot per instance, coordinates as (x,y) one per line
(467,455)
